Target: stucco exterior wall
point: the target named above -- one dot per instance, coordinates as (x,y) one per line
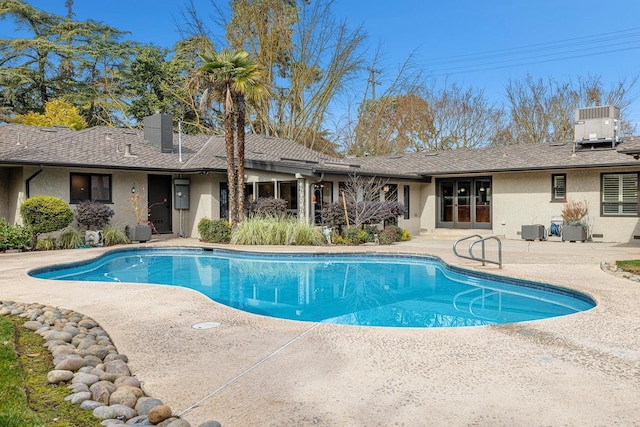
(428,207)
(524,198)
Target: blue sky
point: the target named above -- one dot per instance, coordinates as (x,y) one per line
(561,39)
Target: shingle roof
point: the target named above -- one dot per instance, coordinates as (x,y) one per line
(105,147)
(508,158)
(93,147)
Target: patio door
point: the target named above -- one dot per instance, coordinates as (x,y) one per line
(464,203)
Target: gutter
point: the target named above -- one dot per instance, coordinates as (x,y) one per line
(28,180)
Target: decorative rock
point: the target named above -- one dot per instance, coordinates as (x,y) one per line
(33,325)
(166,422)
(137,392)
(87,379)
(116,356)
(126,380)
(99,351)
(159,413)
(62,349)
(64,356)
(210,423)
(114,411)
(92,361)
(77,388)
(80,397)
(72,363)
(71,329)
(90,405)
(101,374)
(86,342)
(107,377)
(101,391)
(59,376)
(123,397)
(58,335)
(179,423)
(117,367)
(140,420)
(145,404)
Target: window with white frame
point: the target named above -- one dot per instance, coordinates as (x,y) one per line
(559,188)
(620,194)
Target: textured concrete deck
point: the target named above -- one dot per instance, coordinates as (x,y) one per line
(578,370)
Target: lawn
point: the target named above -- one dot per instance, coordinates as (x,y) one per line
(26,398)
(632,266)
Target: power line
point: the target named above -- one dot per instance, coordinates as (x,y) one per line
(561,50)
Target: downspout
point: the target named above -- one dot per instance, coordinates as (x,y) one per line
(28,180)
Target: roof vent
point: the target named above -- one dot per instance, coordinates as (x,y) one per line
(597,124)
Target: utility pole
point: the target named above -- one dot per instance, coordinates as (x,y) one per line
(372,80)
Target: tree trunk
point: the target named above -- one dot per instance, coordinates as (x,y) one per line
(240,132)
(231,168)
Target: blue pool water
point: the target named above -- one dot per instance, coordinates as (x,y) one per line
(355,289)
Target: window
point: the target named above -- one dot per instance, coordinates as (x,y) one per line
(90,187)
(559,188)
(620,194)
(289,191)
(407,191)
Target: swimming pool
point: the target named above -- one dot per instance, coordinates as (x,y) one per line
(352,289)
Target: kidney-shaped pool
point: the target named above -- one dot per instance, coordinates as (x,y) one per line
(350,289)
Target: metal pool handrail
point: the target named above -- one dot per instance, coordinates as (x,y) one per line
(481,240)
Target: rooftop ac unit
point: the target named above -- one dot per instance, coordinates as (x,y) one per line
(597,124)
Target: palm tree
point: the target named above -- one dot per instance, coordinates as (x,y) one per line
(255,91)
(233,74)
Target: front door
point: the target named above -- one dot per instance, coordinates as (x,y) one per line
(464,203)
(160,202)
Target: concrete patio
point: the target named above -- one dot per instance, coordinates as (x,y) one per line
(577,370)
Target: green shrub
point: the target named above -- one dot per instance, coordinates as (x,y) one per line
(387,236)
(93,214)
(13,236)
(44,214)
(397,230)
(355,235)
(268,230)
(46,244)
(405,236)
(214,231)
(71,239)
(112,235)
(370,233)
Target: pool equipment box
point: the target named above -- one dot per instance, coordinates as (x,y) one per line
(533,232)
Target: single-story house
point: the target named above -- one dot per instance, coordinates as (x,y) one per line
(491,190)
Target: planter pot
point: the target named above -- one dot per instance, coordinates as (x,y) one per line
(573,233)
(138,233)
(532,232)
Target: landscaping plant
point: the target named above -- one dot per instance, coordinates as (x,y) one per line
(13,236)
(112,235)
(93,215)
(44,214)
(214,231)
(70,239)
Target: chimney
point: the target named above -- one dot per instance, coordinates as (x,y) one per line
(158,130)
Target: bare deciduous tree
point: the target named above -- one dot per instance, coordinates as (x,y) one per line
(543,111)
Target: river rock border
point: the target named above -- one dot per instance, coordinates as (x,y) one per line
(612,268)
(98,376)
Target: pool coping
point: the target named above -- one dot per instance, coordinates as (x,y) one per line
(580,369)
